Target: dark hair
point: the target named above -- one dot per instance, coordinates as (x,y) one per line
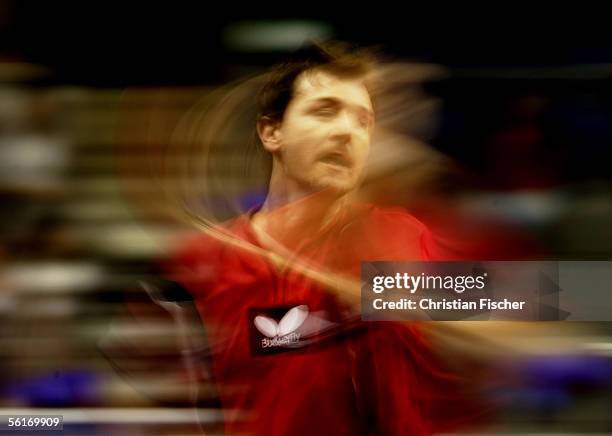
(339,58)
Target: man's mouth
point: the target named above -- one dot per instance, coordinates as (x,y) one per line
(337,159)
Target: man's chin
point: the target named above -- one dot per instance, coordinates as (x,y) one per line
(335,186)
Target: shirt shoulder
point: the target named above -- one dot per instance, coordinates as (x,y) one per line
(397,218)
(403,226)
(196,261)
(394,233)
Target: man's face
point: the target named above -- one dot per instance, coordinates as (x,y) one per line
(325,134)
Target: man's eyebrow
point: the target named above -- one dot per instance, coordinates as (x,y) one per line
(323,100)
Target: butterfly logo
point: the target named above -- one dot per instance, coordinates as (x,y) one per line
(289,323)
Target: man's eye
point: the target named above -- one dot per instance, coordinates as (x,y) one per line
(326,111)
(365,121)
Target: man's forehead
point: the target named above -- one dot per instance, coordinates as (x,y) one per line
(313,85)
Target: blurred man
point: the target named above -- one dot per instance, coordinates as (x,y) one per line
(290,355)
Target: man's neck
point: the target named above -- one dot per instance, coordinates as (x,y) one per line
(290,214)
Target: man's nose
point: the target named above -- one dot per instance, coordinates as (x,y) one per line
(343,126)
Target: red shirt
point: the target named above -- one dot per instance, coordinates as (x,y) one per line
(359,378)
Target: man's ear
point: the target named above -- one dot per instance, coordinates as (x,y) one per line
(269,133)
